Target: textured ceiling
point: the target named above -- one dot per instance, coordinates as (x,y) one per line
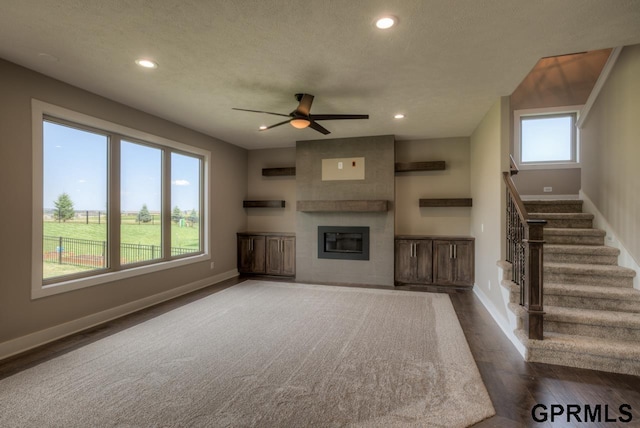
(443,65)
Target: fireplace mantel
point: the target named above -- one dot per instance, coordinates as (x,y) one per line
(359,205)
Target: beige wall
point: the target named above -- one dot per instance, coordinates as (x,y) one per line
(453,182)
(611,151)
(19,315)
(489,157)
(271,188)
(561,181)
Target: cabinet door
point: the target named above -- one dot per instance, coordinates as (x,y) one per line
(463,266)
(405,264)
(274,255)
(288,256)
(245,257)
(423,253)
(442,262)
(258,262)
(251,254)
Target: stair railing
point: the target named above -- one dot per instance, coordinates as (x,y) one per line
(525,239)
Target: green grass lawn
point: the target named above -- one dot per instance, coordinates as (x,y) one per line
(131,233)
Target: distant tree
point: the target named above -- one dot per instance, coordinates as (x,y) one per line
(64,208)
(176,215)
(192,218)
(144,216)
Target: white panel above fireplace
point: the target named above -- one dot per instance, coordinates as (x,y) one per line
(343,169)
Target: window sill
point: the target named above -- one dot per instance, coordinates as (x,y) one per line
(548,165)
(38,290)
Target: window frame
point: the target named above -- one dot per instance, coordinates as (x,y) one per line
(550,112)
(42,111)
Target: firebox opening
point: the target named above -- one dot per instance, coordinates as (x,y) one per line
(343,242)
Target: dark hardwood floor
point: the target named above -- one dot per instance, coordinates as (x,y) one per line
(514,385)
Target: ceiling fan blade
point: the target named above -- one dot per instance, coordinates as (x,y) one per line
(319,128)
(305,104)
(260,111)
(277,124)
(337,116)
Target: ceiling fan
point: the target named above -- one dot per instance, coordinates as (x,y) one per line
(301,117)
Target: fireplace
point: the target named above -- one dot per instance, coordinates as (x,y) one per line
(343,242)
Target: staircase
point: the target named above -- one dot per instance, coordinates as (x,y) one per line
(592,311)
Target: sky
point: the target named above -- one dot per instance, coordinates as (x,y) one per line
(75,162)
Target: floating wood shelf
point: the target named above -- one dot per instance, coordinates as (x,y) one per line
(343,206)
(420,166)
(263,204)
(278,172)
(454,202)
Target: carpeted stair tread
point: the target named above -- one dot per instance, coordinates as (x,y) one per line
(565,220)
(592,317)
(574,236)
(573,231)
(606,298)
(592,291)
(617,349)
(587,254)
(584,296)
(582,249)
(589,269)
(553,205)
(560,216)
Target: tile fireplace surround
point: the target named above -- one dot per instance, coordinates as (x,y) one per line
(378,184)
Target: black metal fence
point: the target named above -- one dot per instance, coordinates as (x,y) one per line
(88,253)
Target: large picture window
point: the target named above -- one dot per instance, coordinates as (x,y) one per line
(111,202)
(546,138)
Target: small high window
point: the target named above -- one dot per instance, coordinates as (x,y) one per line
(546,138)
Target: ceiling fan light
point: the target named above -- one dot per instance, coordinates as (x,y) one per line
(300,123)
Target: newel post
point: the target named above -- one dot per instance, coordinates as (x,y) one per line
(533,289)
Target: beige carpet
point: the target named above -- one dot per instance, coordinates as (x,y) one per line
(265,354)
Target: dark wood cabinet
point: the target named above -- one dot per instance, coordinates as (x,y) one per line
(429,260)
(413,261)
(266,253)
(453,262)
(251,254)
(280,255)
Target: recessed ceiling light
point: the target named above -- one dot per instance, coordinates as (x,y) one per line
(386,22)
(146,63)
(399,116)
(263,127)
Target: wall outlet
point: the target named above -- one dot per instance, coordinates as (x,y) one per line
(213,264)
(547,189)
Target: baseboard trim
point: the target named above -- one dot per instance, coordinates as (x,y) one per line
(38,338)
(503,323)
